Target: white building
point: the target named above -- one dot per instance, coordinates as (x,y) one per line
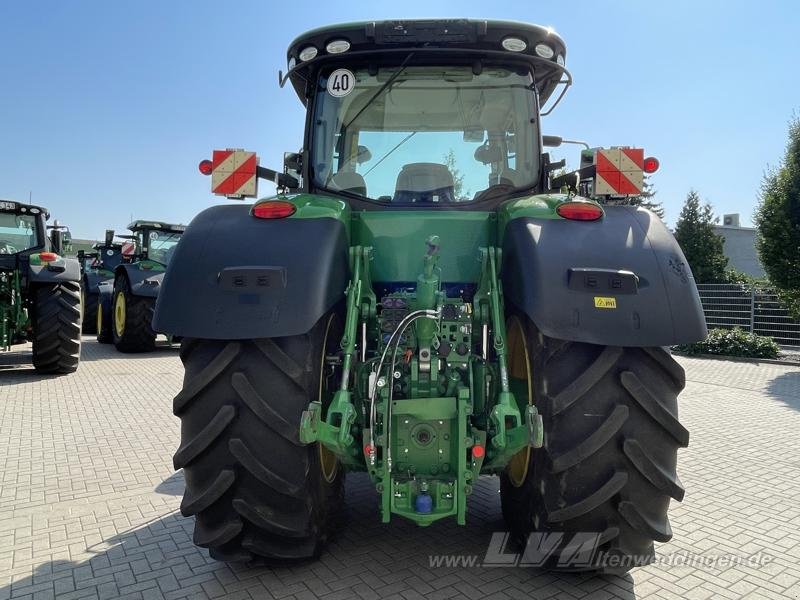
(740,246)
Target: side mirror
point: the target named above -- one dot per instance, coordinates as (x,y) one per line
(363,155)
(293,165)
(552,141)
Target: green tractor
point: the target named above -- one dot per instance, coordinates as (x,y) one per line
(127,300)
(424,302)
(60,238)
(40,300)
(98,267)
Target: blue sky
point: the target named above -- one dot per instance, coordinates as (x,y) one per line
(107,107)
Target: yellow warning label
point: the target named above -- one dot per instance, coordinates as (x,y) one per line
(601,302)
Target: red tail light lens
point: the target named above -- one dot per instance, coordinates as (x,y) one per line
(580,211)
(48,256)
(650,164)
(205,167)
(273,209)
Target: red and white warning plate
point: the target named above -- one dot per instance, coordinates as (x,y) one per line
(619,172)
(234,173)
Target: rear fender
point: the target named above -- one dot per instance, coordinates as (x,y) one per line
(620,281)
(92,281)
(65,269)
(234,276)
(142,282)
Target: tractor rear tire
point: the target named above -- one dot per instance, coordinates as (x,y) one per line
(103,319)
(608,465)
(255,491)
(57,327)
(91,303)
(133,326)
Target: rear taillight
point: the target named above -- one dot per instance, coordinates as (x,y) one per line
(205,167)
(580,211)
(273,209)
(48,256)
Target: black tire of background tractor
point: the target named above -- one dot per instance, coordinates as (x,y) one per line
(90,305)
(255,491)
(138,334)
(608,464)
(57,327)
(104,334)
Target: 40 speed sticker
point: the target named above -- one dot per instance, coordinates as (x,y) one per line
(341,82)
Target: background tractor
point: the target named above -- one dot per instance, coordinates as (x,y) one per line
(40,298)
(60,238)
(422,302)
(127,301)
(98,267)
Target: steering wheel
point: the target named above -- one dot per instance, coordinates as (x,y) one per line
(6,248)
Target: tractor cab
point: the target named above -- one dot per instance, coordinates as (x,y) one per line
(153,241)
(420,114)
(22,230)
(105,257)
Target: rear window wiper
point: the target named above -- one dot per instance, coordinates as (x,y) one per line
(381,90)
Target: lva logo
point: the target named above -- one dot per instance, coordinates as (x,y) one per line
(560,549)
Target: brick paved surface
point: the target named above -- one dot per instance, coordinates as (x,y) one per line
(88,501)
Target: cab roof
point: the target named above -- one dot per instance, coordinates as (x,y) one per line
(384,41)
(23,209)
(142,224)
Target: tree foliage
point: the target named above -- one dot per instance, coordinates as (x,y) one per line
(645,199)
(700,244)
(777,220)
(458,177)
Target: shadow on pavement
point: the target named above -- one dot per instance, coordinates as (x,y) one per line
(16,366)
(366,560)
(92,350)
(786,389)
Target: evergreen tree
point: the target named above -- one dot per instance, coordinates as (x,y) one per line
(458,178)
(700,244)
(645,199)
(777,220)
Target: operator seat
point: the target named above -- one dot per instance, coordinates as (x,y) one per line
(424,182)
(349,181)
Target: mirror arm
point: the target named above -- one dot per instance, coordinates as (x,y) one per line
(279,179)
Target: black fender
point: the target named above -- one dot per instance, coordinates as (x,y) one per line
(234,276)
(105,300)
(142,282)
(92,282)
(64,269)
(619,281)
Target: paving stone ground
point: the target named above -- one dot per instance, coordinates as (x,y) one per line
(88,501)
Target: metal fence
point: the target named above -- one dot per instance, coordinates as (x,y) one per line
(753,309)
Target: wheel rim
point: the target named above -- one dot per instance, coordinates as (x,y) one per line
(519,370)
(119,314)
(328,463)
(99,318)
